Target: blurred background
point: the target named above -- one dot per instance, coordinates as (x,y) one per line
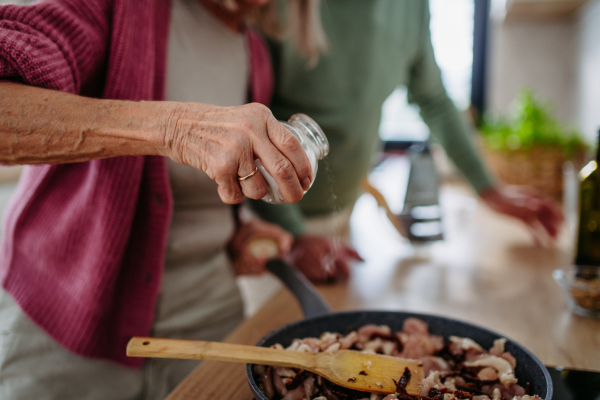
(526,73)
(549,46)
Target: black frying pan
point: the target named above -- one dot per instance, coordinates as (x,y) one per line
(319,319)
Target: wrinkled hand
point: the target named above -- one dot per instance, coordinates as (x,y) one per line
(322,259)
(247,262)
(225,141)
(540,213)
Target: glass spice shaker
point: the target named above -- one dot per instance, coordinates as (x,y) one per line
(313,141)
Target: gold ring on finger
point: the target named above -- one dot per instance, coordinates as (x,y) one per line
(250,175)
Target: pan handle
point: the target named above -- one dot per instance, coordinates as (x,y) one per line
(311,301)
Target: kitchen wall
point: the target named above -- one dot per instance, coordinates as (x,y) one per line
(588,70)
(559,59)
(541,55)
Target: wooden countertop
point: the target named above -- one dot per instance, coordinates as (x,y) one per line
(487,272)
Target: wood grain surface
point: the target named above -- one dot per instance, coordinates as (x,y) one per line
(487,271)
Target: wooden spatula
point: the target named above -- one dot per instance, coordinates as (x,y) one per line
(348,368)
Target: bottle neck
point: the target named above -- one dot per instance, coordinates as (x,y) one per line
(598,148)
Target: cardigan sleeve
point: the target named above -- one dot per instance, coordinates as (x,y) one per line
(55,44)
(439,112)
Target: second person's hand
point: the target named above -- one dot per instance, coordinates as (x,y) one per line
(322,259)
(540,213)
(225,141)
(272,242)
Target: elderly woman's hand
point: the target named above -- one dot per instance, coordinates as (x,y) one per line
(41,126)
(540,213)
(225,141)
(254,243)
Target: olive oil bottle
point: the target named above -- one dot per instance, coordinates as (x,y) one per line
(588,239)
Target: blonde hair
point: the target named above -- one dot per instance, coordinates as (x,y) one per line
(303,25)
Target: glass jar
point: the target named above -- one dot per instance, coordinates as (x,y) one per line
(313,141)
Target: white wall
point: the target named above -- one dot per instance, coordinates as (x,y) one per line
(560,60)
(588,79)
(540,55)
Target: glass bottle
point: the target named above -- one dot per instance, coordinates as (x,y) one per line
(313,141)
(588,238)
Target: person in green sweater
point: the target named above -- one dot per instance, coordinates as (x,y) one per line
(374,47)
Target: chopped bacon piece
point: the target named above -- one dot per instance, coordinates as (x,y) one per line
(488,374)
(327,339)
(309,385)
(368,331)
(498,347)
(417,346)
(280,387)
(504,368)
(295,394)
(348,340)
(510,358)
(433,363)
(415,326)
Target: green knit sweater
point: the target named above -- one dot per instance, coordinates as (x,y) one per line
(375,46)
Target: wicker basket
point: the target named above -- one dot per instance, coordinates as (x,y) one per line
(540,168)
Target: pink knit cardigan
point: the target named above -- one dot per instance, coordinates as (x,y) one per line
(83,244)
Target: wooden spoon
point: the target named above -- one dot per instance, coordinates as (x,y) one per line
(348,368)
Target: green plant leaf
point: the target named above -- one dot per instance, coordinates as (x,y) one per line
(531,125)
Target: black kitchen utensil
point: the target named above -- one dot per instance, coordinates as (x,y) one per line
(422,213)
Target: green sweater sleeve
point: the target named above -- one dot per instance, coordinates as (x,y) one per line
(447,125)
(288,216)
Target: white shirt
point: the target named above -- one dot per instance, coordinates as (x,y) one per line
(206,63)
